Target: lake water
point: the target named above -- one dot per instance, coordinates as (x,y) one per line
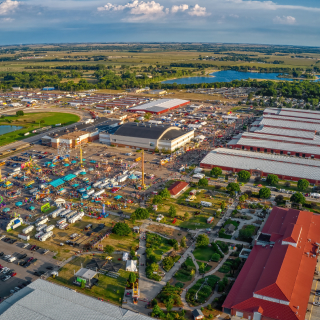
(7,129)
(227,76)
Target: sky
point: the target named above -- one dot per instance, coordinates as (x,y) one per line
(284,22)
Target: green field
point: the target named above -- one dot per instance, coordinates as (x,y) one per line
(33,121)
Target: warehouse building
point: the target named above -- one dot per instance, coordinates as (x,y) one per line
(276,280)
(287,112)
(43,300)
(261,164)
(147,136)
(277,145)
(160,106)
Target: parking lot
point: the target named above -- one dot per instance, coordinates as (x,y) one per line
(23,273)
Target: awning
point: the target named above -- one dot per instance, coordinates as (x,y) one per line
(19,204)
(6,209)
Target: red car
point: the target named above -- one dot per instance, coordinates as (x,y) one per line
(13,274)
(32,247)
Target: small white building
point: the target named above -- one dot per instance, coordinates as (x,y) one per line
(131,265)
(125,256)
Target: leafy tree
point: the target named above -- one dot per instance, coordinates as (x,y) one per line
(215,257)
(272,179)
(242,198)
(169,304)
(121,229)
(157,199)
(132,277)
(278,199)
(186,216)
(298,198)
(244,175)
(216,171)
(176,246)
(233,186)
(264,193)
(202,240)
(303,184)
(165,193)
(223,205)
(246,234)
(157,312)
(183,242)
(172,211)
(154,266)
(203,182)
(141,213)
(19,113)
(109,249)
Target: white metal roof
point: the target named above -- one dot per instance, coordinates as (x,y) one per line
(312,118)
(291,110)
(42,300)
(276,145)
(283,132)
(290,124)
(269,163)
(260,136)
(159,105)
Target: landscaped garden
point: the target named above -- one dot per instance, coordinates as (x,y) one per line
(230,266)
(201,290)
(186,272)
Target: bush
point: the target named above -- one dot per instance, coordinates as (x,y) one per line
(223,246)
(203,240)
(121,229)
(215,257)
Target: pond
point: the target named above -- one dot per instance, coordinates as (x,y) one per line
(228,76)
(7,129)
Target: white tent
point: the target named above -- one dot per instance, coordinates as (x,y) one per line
(59,202)
(125,256)
(131,265)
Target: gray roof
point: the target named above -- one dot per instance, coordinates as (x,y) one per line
(148,131)
(283,132)
(197,313)
(289,124)
(269,163)
(161,104)
(86,273)
(296,119)
(300,113)
(42,300)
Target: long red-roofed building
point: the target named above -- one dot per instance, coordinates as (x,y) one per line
(178,187)
(276,279)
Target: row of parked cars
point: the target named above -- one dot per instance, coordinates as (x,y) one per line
(6,273)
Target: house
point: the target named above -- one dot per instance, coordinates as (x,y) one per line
(131,265)
(197,314)
(177,188)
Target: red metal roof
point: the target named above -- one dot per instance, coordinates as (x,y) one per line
(280,271)
(177,186)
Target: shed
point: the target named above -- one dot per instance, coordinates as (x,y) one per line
(131,265)
(136,229)
(85,275)
(197,314)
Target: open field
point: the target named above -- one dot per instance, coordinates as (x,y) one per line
(108,288)
(33,121)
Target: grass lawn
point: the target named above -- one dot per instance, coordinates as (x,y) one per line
(207,267)
(30,121)
(108,288)
(203,254)
(158,245)
(189,262)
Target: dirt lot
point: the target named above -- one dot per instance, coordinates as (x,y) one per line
(169,232)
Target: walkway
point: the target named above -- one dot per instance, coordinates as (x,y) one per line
(215,293)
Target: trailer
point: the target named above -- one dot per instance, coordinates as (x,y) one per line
(43,221)
(25,237)
(98,193)
(55,213)
(63,226)
(49,228)
(46,236)
(70,214)
(96,184)
(103,185)
(61,221)
(41,227)
(122,178)
(39,234)
(90,192)
(27,229)
(77,217)
(64,213)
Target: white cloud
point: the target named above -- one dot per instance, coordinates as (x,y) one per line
(140,10)
(8,6)
(198,11)
(233,16)
(269,5)
(284,20)
(182,7)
